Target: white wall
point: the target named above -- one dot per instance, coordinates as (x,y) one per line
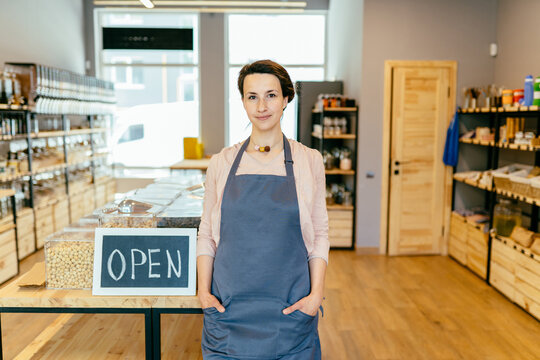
(458,30)
(517,37)
(48,32)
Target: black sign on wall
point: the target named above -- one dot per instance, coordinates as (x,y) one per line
(144,262)
(115,38)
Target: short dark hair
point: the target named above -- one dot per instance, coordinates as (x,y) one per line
(268,67)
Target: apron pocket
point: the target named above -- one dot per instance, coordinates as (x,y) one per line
(252,325)
(214,330)
(297,332)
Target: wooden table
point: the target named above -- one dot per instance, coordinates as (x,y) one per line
(14,299)
(188,164)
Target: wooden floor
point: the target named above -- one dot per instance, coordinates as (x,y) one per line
(376,307)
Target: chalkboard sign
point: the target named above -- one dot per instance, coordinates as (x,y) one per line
(144,261)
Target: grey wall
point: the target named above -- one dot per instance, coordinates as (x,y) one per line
(517,37)
(458,30)
(212,65)
(45,32)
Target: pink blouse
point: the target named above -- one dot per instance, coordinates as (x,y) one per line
(310,188)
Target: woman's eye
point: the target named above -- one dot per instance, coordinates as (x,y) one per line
(271,95)
(251,97)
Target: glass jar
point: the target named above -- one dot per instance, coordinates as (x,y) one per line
(328,160)
(345,162)
(506,216)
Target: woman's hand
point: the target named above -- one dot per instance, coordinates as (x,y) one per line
(308,305)
(208,301)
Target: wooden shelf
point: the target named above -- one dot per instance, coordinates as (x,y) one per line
(500,109)
(46,134)
(6,192)
(521,147)
(340,207)
(48,169)
(506,193)
(335,109)
(478,142)
(13,107)
(339,172)
(342,136)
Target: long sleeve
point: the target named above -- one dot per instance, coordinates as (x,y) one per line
(206,245)
(319,214)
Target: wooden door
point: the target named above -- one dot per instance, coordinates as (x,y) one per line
(419,118)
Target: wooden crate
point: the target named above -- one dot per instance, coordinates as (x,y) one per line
(457,242)
(61,214)
(477,250)
(25,233)
(111,189)
(515,271)
(340,228)
(468,244)
(8,255)
(101,195)
(89,202)
(76,205)
(44,224)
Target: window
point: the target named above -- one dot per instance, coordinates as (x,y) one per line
(134,132)
(295,41)
(157,90)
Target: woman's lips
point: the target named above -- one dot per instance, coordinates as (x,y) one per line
(263,117)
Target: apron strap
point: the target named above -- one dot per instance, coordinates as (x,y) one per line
(286,152)
(288,157)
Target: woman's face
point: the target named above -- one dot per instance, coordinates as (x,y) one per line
(263,101)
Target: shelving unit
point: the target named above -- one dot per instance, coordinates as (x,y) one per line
(38,220)
(341,218)
(498,260)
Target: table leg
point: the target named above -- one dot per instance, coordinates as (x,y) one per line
(148,336)
(1,350)
(156,331)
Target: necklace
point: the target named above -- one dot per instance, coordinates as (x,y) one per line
(264,148)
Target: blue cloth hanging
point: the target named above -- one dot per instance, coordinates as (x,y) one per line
(450,156)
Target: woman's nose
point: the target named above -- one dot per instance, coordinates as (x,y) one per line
(261,105)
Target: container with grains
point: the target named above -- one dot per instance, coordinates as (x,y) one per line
(69,259)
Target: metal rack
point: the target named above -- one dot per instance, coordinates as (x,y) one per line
(323,142)
(29,115)
(494,117)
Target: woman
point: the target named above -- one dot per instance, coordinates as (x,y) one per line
(263,239)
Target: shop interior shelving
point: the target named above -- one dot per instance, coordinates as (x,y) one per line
(64,196)
(341,218)
(481,155)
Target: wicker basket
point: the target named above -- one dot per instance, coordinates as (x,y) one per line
(520,184)
(535,188)
(501,176)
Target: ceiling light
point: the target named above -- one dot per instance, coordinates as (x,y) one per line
(147,3)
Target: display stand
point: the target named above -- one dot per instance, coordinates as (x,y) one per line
(341,218)
(505,263)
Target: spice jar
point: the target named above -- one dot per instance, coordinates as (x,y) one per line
(507,98)
(506,216)
(328,160)
(345,162)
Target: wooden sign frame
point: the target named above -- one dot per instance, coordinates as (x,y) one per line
(190,289)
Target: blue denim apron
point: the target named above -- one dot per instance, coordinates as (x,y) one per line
(261,267)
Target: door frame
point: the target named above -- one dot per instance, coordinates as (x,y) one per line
(389,66)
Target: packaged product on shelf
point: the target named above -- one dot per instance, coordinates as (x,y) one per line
(69,259)
(522,236)
(129,214)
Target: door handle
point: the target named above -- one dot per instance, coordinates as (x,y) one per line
(397,163)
